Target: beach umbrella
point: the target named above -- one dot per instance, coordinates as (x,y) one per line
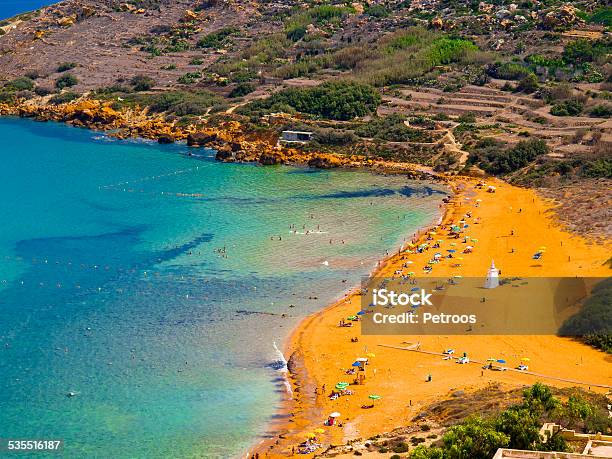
(440,240)
(501,361)
(356,364)
(370,354)
(451,250)
(362,359)
(319,431)
(432,233)
(414,289)
(409,262)
(360,313)
(474,240)
(453,244)
(457,276)
(411,273)
(525,359)
(351,317)
(310,435)
(491,359)
(335,414)
(374,397)
(459,258)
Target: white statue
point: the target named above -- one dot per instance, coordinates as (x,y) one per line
(492,280)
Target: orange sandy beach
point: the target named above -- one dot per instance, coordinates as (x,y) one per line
(510,218)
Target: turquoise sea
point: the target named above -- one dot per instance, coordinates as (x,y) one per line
(152,284)
(9,8)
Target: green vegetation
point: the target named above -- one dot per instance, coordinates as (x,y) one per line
(594,321)
(189,77)
(602,16)
(64,66)
(66,81)
(242,89)
(508,71)
(20,84)
(528,84)
(493,157)
(180,103)
(571,107)
(377,11)
(601,111)
(581,51)
(216,39)
(410,54)
(142,82)
(333,100)
(296,25)
(64,98)
(518,427)
(391,128)
(260,55)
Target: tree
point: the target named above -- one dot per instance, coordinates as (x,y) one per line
(473,439)
(522,427)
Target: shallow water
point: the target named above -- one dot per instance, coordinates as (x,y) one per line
(152,284)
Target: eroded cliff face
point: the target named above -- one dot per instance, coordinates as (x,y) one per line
(229,138)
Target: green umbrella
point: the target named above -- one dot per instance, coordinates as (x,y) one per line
(374,396)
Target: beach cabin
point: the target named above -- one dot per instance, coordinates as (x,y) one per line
(295,137)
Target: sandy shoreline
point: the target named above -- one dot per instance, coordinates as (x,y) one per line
(320,351)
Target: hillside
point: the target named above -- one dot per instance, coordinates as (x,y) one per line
(518,90)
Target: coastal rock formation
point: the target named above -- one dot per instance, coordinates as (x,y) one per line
(200,139)
(271,158)
(322,161)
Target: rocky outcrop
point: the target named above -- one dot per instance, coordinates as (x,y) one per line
(229,139)
(200,139)
(271,158)
(324,161)
(165,139)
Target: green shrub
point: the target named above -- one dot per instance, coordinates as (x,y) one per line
(64,98)
(242,89)
(602,16)
(528,84)
(391,128)
(341,100)
(508,71)
(142,82)
(493,157)
(582,50)
(570,107)
(216,39)
(601,111)
(64,66)
(401,447)
(20,84)
(66,81)
(378,11)
(189,77)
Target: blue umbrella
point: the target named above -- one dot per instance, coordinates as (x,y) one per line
(356,364)
(360,313)
(415,289)
(451,250)
(501,361)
